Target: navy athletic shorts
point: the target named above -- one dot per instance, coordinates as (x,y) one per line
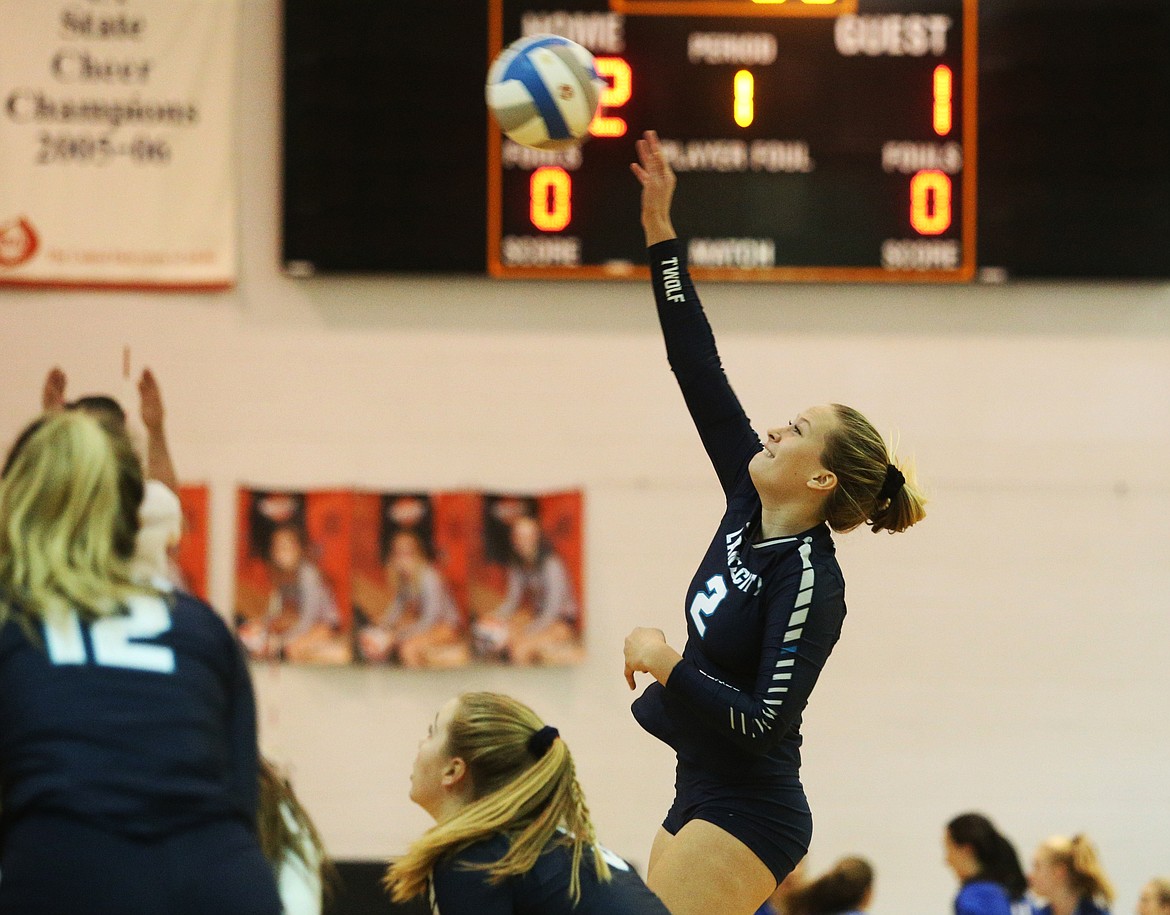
(54,865)
(768,815)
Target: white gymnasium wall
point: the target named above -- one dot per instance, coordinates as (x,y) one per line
(1007,656)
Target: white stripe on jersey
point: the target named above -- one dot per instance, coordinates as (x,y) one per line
(795,622)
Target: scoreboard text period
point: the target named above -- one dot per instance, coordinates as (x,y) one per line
(814,140)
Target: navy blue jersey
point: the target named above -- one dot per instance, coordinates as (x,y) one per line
(142,723)
(456,889)
(762,615)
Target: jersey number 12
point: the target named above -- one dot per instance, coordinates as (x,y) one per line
(113,638)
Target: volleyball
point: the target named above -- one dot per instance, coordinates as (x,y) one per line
(543,91)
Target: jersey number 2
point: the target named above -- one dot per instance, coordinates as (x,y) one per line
(113,638)
(706,603)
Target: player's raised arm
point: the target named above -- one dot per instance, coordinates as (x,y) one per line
(723,426)
(159,465)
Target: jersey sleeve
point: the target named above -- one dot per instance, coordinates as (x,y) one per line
(723,426)
(803,624)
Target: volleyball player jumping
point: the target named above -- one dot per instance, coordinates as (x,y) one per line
(763,611)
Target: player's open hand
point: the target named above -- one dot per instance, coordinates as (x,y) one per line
(658,181)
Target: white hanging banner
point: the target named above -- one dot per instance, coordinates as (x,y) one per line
(116,142)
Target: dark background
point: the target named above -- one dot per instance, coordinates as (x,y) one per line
(385,125)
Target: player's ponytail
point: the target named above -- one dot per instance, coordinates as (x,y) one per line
(1086,876)
(871,487)
(69,503)
(524,785)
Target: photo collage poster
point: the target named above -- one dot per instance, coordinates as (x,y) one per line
(410,579)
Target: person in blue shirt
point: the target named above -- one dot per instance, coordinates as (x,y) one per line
(763,611)
(1067,874)
(991,880)
(512,833)
(128,757)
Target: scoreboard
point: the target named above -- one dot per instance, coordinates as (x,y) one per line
(814,140)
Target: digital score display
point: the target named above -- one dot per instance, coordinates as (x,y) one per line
(814,140)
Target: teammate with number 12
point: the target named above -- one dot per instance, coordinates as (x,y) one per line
(128,752)
(764,609)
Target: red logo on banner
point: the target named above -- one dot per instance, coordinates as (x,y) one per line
(18,242)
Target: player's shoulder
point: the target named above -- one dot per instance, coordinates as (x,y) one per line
(189,610)
(483,851)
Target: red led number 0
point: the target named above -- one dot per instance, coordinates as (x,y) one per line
(550,198)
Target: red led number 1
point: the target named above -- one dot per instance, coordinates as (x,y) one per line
(550,191)
(930,189)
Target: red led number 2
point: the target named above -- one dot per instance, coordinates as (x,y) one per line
(551,187)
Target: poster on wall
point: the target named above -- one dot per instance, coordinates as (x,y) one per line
(115,144)
(409,579)
(293,564)
(412,553)
(526,602)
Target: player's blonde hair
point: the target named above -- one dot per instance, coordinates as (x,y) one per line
(858,455)
(1086,876)
(68,518)
(1160,886)
(514,792)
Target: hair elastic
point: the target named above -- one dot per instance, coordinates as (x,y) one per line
(895,480)
(541,740)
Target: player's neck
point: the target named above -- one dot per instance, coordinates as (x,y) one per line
(786,520)
(1064,902)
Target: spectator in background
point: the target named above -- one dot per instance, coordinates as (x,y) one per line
(1155,898)
(422,626)
(780,902)
(1068,875)
(845,889)
(991,880)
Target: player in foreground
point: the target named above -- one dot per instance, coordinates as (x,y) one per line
(512,833)
(127,722)
(763,611)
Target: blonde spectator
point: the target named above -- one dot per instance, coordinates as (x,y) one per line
(1067,874)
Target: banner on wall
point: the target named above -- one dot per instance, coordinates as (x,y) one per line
(115,143)
(410,579)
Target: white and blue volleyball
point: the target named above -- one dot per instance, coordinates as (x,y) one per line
(543,91)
